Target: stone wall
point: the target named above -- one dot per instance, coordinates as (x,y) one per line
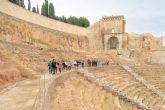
(19,31)
(36,28)
(113,24)
(20,13)
(103,30)
(144,41)
(73,90)
(105,27)
(157,57)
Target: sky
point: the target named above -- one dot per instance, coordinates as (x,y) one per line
(142,16)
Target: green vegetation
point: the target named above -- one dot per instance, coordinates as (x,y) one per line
(13,1)
(62,19)
(34,10)
(73,20)
(43,10)
(48,10)
(51,11)
(38,9)
(82,21)
(29,5)
(18,2)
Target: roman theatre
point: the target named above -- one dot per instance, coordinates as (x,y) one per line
(133,80)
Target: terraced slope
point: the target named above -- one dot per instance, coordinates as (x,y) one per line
(9,72)
(34,57)
(75,92)
(124,82)
(154,74)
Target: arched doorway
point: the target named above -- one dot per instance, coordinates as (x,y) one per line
(113,43)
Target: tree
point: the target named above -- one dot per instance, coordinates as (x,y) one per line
(22,3)
(64,19)
(83,22)
(43,10)
(46,8)
(73,20)
(18,2)
(29,5)
(13,1)
(38,9)
(56,18)
(51,11)
(34,10)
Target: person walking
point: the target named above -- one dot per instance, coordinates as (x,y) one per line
(60,65)
(89,62)
(75,63)
(82,64)
(54,66)
(50,67)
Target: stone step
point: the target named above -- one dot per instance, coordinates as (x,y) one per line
(132,89)
(159,104)
(127,85)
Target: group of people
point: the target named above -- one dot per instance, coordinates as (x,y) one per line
(55,66)
(78,63)
(96,62)
(59,66)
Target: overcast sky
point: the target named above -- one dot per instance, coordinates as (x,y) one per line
(141,16)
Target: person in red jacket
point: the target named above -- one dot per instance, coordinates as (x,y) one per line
(60,66)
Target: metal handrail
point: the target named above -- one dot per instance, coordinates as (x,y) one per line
(37,105)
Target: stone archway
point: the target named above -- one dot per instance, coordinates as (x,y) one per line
(113,43)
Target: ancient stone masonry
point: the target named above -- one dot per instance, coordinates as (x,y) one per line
(148,85)
(89,90)
(19,31)
(20,13)
(34,29)
(110,88)
(109,33)
(127,85)
(112,31)
(127,81)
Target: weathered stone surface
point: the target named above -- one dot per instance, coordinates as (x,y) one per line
(33,40)
(157,57)
(13,30)
(78,93)
(106,34)
(9,73)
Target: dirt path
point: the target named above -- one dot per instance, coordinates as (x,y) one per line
(22,95)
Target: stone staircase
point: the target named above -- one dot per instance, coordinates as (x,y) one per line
(81,93)
(124,82)
(154,74)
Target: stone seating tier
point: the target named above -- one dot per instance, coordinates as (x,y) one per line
(154,74)
(76,92)
(124,82)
